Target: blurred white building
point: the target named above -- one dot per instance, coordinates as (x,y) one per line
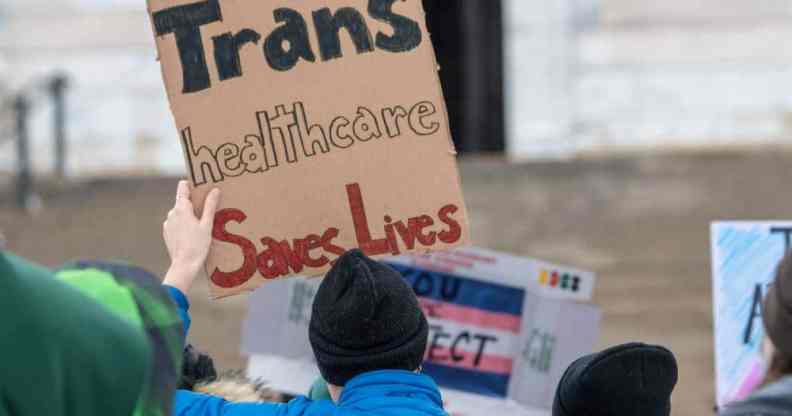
(614,75)
(118,116)
(581,76)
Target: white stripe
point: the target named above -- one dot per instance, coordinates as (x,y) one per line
(506,345)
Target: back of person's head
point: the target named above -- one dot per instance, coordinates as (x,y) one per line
(62,353)
(365,318)
(626,380)
(138,298)
(777,318)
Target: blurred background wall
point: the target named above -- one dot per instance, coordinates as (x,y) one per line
(615,75)
(533,79)
(117,116)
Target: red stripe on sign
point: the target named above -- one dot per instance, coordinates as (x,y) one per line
(470,316)
(456,357)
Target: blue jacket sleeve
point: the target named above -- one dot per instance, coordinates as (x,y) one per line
(183,305)
(196,404)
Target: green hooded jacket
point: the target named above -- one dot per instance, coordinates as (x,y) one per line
(62,354)
(97,339)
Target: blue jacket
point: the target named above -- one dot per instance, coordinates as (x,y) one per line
(379,393)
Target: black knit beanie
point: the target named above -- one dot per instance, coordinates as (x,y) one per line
(627,380)
(365,318)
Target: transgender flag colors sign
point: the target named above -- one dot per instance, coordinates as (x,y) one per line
(499,326)
(474,329)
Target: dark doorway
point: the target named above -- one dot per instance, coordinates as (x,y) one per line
(468,40)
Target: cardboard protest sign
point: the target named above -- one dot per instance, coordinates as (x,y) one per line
(322,121)
(491,336)
(744,260)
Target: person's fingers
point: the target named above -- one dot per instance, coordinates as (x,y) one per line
(210,207)
(183,192)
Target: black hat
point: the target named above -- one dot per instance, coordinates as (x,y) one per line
(627,380)
(365,318)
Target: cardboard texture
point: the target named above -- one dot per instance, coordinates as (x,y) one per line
(495,334)
(323,122)
(745,256)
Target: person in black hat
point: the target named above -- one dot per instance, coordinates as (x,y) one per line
(367,331)
(365,318)
(626,380)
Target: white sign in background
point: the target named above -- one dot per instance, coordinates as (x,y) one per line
(744,260)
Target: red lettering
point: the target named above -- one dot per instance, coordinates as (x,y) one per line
(271,262)
(313,242)
(248,269)
(390,233)
(417,226)
(281,258)
(406,235)
(327,243)
(454,231)
(362,232)
(293,258)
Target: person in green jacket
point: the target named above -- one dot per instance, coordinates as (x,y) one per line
(137,296)
(90,342)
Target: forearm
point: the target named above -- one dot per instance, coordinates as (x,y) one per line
(182,275)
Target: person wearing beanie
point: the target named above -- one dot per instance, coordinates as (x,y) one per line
(774,398)
(626,380)
(367,331)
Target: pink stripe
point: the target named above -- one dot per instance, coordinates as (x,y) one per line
(467,360)
(429,265)
(474,257)
(750,382)
(471,316)
(451,259)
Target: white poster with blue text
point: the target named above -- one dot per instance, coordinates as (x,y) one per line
(744,259)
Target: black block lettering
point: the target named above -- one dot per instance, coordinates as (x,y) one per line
(295,33)
(406,32)
(328,27)
(185,23)
(226,51)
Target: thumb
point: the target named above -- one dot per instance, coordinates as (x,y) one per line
(210,207)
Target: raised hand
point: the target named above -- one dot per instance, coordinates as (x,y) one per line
(187,237)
